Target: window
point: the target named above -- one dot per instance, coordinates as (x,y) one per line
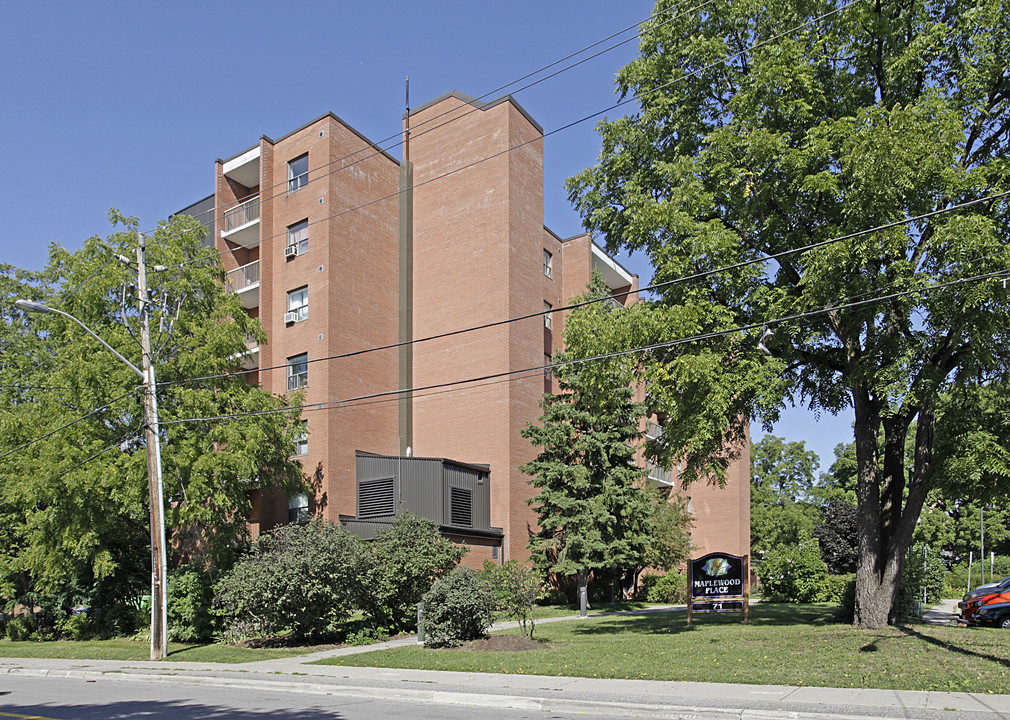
(547,367)
(548,321)
(298,237)
(298,509)
(298,305)
(301,439)
(298,173)
(548,264)
(298,371)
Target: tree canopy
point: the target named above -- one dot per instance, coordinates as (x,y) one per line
(73,472)
(805,167)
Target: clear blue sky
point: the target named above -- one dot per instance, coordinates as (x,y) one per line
(128,104)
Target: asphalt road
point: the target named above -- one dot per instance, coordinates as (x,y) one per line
(109,699)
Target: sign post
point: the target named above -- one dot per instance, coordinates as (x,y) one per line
(719,582)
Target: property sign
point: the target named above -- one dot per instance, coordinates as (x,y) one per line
(718,582)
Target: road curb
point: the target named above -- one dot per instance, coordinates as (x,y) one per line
(533,703)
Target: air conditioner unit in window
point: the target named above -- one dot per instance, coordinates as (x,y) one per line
(290,317)
(291,251)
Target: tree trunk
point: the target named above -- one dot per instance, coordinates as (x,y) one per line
(873,602)
(886,514)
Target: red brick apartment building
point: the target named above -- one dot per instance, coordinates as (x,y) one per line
(337,247)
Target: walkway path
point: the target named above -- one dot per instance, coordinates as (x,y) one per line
(640,698)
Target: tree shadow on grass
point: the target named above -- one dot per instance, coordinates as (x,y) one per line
(676,622)
(950,647)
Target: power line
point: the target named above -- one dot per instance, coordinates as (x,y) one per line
(648,288)
(562,128)
(97,455)
(64,427)
(606,356)
(491,93)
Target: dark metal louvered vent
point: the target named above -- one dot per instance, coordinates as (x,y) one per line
(376,498)
(461,507)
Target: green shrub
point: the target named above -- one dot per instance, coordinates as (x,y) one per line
(517,587)
(834,587)
(793,573)
(919,575)
(78,626)
(847,604)
(404,562)
(459,607)
(300,579)
(190,597)
(669,588)
(22,627)
(554,596)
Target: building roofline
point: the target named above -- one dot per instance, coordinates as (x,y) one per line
(472,466)
(598,247)
(196,202)
(324,116)
(463,97)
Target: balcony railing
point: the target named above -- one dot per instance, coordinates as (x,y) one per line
(659,475)
(243,214)
(243,277)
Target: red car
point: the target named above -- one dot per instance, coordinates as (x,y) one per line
(984,595)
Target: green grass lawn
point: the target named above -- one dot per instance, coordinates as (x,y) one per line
(551,611)
(132,650)
(782,645)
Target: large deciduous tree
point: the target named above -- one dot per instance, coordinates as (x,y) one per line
(764,128)
(75,501)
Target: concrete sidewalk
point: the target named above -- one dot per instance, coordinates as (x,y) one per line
(641,698)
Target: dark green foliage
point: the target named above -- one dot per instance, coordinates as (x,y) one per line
(22,627)
(591,512)
(835,586)
(190,600)
(670,523)
(837,534)
(922,572)
(404,563)
(793,573)
(762,129)
(669,588)
(459,607)
(300,579)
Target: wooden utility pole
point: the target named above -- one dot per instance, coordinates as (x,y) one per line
(159,574)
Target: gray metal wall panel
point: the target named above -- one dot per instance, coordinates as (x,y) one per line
(471,480)
(422,486)
(421,489)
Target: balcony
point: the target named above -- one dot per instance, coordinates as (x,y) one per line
(659,475)
(614,274)
(250,359)
(242,223)
(245,168)
(246,282)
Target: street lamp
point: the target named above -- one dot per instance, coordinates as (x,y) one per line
(159,581)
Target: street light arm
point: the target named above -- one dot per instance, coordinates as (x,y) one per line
(34,307)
